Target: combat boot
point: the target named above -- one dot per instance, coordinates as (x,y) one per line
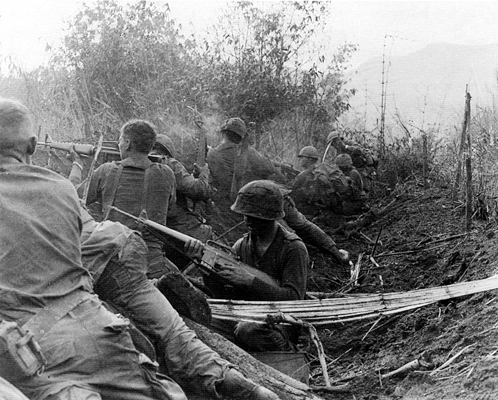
(235,386)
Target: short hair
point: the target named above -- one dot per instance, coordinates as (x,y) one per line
(13,117)
(142,135)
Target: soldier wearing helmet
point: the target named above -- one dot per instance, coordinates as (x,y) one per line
(272,249)
(224,158)
(189,188)
(308,159)
(355,201)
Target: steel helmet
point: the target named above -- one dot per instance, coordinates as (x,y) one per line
(235,125)
(166,143)
(343,160)
(260,199)
(332,135)
(309,151)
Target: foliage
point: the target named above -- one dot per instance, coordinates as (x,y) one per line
(262,71)
(404,158)
(129,59)
(120,61)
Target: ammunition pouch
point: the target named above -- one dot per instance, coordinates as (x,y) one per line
(20,354)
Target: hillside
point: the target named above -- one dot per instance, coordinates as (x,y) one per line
(428,86)
(421,245)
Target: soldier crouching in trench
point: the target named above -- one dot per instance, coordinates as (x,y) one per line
(273,250)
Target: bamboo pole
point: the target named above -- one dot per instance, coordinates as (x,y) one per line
(468,164)
(465,124)
(326,312)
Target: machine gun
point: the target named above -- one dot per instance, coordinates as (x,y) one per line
(108,147)
(215,256)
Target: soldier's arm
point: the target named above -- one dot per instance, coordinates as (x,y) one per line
(194,188)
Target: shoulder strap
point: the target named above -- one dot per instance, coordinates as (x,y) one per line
(146,188)
(109,195)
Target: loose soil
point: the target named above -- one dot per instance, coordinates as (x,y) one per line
(419,247)
(360,352)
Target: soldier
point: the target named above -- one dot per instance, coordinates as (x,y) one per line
(116,256)
(222,160)
(273,250)
(362,159)
(295,221)
(319,186)
(355,202)
(194,187)
(189,188)
(308,159)
(136,184)
(86,351)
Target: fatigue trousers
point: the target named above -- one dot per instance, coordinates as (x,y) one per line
(188,360)
(91,349)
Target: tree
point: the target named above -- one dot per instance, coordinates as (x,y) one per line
(266,67)
(130,59)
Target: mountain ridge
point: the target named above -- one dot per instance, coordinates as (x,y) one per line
(427,87)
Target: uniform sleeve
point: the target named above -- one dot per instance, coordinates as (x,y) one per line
(194,188)
(260,165)
(95,188)
(294,276)
(357,181)
(307,230)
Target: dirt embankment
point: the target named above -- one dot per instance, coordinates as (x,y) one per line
(422,244)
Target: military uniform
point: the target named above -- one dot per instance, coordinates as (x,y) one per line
(44,287)
(116,257)
(133,186)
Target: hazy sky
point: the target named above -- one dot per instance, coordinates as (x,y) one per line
(26,26)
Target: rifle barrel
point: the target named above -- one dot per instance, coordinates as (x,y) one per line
(161,228)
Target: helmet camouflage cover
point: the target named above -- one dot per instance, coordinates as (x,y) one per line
(260,199)
(235,125)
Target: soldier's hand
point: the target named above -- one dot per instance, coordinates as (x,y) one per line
(343,255)
(193,249)
(236,275)
(73,156)
(201,171)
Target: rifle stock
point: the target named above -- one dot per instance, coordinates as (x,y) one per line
(214,258)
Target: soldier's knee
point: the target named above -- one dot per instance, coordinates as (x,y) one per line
(75,393)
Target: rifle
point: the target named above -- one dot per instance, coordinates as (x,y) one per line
(204,208)
(287,170)
(214,256)
(110,147)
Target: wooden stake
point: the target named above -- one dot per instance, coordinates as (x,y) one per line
(423,361)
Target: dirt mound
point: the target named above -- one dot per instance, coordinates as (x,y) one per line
(422,244)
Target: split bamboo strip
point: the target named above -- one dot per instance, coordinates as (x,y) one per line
(329,311)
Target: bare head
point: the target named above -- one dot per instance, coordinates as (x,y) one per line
(17,141)
(137,136)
